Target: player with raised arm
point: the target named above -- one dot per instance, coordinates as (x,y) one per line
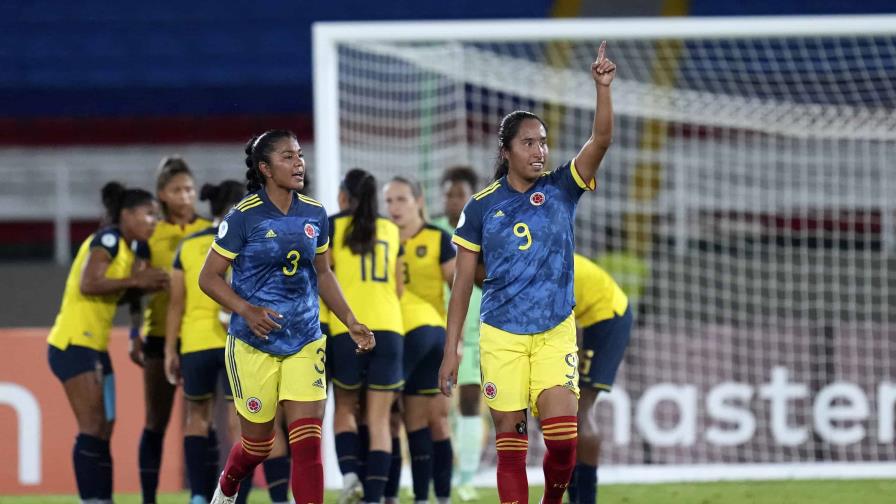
(523,226)
(428,267)
(275,240)
(366,254)
(101,272)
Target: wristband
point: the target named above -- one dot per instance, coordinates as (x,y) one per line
(135,333)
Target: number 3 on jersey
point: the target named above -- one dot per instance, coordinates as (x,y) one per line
(293,257)
(522,230)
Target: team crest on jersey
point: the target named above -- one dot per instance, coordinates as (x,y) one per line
(490,390)
(421,251)
(222,229)
(537,198)
(253,404)
(310,231)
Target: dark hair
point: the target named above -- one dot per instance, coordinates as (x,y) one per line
(222,196)
(117,198)
(258,150)
(360,186)
(508,130)
(170,167)
(416,189)
(461,173)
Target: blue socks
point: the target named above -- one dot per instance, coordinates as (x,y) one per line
(442,467)
(149,460)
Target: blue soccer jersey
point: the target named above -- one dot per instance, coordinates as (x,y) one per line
(527,242)
(273,266)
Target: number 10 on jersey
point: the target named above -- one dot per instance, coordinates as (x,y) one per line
(376,263)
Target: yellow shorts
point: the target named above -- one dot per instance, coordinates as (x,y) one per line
(516,368)
(259,380)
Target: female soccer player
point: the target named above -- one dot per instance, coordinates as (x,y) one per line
(523,224)
(177,196)
(602,312)
(77,353)
(193,325)
(275,240)
(458,185)
(366,260)
(428,265)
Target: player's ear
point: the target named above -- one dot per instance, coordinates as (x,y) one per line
(264,169)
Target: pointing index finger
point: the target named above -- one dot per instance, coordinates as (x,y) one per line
(601,50)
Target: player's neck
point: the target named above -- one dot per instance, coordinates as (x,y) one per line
(411,229)
(280,197)
(181,219)
(518,183)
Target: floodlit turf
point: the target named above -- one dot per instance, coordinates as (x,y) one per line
(778,492)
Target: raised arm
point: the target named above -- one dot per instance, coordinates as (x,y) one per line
(592,153)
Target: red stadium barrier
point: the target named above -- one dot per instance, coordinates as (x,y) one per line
(37,427)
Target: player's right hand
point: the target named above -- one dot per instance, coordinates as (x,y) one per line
(172,366)
(261,320)
(151,279)
(448,372)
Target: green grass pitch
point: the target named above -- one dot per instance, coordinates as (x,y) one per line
(755,492)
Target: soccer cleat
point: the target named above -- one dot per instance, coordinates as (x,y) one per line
(467,493)
(352,489)
(220,498)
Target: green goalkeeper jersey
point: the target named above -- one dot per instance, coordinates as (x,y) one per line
(471,327)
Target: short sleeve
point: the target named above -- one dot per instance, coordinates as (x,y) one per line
(331,228)
(469,227)
(446,248)
(231,237)
(323,234)
(567,178)
(107,240)
(141,250)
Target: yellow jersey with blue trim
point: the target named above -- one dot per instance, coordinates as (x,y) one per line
(417,312)
(200,326)
(598,296)
(526,240)
(425,253)
(368,281)
(85,320)
(272,256)
(162,246)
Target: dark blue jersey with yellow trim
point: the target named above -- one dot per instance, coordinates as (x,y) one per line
(527,243)
(273,266)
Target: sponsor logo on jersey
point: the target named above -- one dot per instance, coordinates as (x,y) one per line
(490,390)
(310,231)
(270,234)
(421,250)
(537,198)
(253,404)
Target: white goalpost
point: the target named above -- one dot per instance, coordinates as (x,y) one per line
(746,206)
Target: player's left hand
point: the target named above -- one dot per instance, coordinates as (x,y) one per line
(603,71)
(362,336)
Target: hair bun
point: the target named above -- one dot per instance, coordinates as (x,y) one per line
(208,192)
(112,193)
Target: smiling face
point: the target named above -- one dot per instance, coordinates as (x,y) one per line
(285,165)
(403,208)
(528,152)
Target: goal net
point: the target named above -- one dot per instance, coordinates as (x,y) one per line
(746,206)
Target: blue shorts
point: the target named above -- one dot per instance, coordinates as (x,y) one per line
(76,360)
(423,348)
(603,345)
(379,369)
(202,371)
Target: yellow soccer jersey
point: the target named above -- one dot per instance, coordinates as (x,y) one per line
(416,312)
(368,281)
(200,327)
(162,246)
(598,296)
(425,252)
(85,320)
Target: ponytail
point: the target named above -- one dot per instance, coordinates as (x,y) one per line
(361,189)
(223,196)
